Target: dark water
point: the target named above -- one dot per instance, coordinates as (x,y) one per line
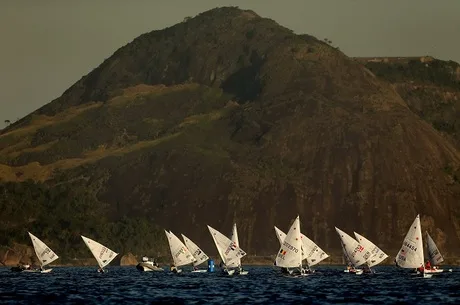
(263,285)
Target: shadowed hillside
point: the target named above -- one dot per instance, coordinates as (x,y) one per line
(227,117)
(431,88)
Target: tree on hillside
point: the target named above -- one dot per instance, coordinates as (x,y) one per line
(7,122)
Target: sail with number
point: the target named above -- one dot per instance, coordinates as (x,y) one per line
(180,254)
(44,254)
(229,252)
(101,253)
(434,255)
(313,253)
(354,252)
(310,251)
(235,239)
(198,254)
(411,253)
(377,255)
(290,253)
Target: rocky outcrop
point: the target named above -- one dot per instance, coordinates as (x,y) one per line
(128,260)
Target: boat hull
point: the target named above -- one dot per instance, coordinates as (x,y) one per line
(148,267)
(22,269)
(355,271)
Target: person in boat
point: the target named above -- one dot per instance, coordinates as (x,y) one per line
(195,268)
(366,269)
(420,269)
(428,265)
(173,268)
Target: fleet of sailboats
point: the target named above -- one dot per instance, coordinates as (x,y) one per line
(296,255)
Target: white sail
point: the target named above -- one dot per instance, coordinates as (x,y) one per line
(313,253)
(411,253)
(434,255)
(377,255)
(44,254)
(310,251)
(354,252)
(180,254)
(198,254)
(290,253)
(101,253)
(236,240)
(280,235)
(228,250)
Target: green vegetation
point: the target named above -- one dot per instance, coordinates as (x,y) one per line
(438,72)
(431,88)
(59,214)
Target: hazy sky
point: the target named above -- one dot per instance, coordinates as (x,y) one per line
(47,45)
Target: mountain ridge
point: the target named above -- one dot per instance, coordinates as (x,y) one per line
(229,117)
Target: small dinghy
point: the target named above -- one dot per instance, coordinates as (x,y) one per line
(179,252)
(229,252)
(355,254)
(44,254)
(101,253)
(198,254)
(410,255)
(289,257)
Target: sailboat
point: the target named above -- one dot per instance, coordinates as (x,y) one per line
(237,242)
(434,256)
(198,254)
(311,252)
(411,253)
(229,252)
(290,253)
(354,252)
(101,253)
(377,255)
(180,254)
(44,254)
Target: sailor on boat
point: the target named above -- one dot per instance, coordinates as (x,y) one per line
(173,268)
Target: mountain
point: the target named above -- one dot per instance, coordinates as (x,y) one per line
(227,117)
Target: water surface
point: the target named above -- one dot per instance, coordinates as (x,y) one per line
(263,285)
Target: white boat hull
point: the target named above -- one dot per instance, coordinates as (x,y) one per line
(148,267)
(433,271)
(355,271)
(46,271)
(228,272)
(199,271)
